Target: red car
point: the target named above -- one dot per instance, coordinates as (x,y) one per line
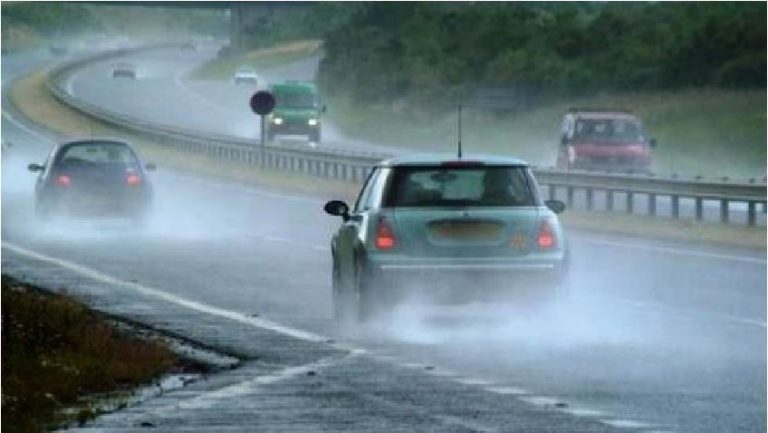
(604,140)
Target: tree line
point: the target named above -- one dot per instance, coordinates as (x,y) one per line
(428,53)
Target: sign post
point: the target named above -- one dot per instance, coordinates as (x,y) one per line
(262,103)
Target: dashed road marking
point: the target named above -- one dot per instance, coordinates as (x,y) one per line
(625,423)
(506,390)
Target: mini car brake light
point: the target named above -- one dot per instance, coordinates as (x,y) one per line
(63,180)
(385,237)
(133,179)
(546,236)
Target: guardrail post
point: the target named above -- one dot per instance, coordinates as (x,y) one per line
(609,200)
(675,206)
(569,196)
(551,191)
(751,213)
(590,201)
(699,208)
(724,211)
(630,202)
(652,204)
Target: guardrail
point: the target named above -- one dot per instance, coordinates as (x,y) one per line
(599,190)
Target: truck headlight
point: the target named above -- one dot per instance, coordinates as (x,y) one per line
(277,120)
(312,122)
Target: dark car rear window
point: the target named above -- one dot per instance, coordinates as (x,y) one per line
(437,186)
(98,153)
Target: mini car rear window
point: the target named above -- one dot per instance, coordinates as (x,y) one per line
(461,186)
(98,153)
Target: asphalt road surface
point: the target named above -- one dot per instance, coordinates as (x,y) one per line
(656,336)
(164,93)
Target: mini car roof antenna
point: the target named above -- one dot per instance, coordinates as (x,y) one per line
(459,113)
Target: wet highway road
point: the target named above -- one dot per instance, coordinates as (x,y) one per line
(657,336)
(162,93)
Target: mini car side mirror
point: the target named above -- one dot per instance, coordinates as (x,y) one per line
(555,206)
(337,208)
(35,167)
(653,142)
(150,166)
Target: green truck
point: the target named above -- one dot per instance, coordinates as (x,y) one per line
(297,111)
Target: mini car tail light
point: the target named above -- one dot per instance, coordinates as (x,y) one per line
(546,236)
(385,237)
(63,180)
(133,179)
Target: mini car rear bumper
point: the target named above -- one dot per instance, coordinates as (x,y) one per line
(470,273)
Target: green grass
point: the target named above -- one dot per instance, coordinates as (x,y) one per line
(55,352)
(711,132)
(224,68)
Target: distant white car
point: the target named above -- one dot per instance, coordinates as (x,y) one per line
(246,76)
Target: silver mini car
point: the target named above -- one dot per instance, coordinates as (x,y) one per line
(445,225)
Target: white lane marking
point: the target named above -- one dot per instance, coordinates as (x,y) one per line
(625,423)
(678,251)
(540,400)
(247,387)
(506,390)
(25,128)
(583,412)
(178,300)
(473,381)
(688,312)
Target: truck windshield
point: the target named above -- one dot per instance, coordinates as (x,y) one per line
(461,186)
(608,130)
(296,100)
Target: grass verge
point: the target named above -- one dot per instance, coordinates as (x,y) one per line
(55,352)
(709,132)
(33,100)
(224,68)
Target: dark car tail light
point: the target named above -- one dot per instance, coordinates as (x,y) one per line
(385,236)
(546,238)
(133,179)
(63,180)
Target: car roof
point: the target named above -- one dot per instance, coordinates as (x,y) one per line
(603,115)
(94,140)
(294,85)
(438,159)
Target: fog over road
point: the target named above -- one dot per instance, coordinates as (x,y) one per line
(162,93)
(657,336)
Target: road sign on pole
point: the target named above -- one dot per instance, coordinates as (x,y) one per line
(262,103)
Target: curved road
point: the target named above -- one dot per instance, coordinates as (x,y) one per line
(657,336)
